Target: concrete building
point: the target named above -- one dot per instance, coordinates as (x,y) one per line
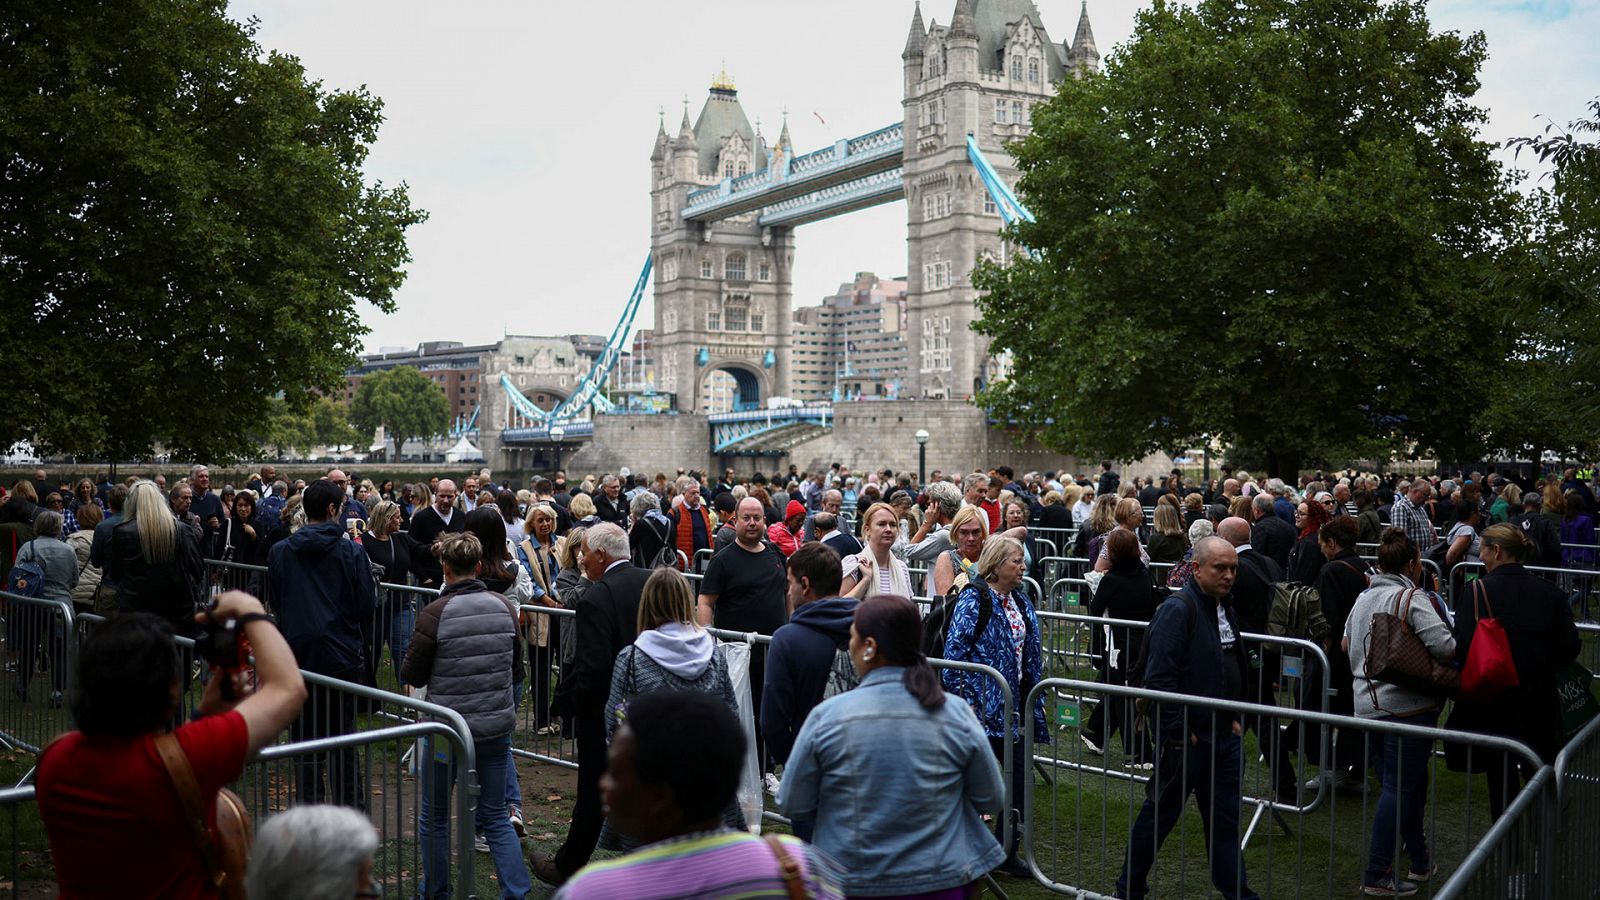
(853,345)
(455,367)
(981,75)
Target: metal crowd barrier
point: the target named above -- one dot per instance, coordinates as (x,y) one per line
(16,807)
(223,575)
(1581,585)
(391,795)
(702,558)
(540,735)
(41,662)
(1516,860)
(1577,777)
(1076,839)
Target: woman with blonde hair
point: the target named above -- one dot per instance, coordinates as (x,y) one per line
(156,565)
(1129,516)
(670,653)
(570,585)
(875,570)
(968,530)
(537,554)
(1168,542)
(392,550)
(583,510)
(1102,518)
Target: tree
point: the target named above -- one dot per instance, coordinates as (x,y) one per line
(185,232)
(403,402)
(1548,395)
(330,423)
(1267,220)
(283,430)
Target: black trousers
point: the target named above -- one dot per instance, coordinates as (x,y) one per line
(587,816)
(335,773)
(1273,743)
(540,677)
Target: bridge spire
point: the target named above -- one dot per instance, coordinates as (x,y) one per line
(918,36)
(685,130)
(962,24)
(1083,54)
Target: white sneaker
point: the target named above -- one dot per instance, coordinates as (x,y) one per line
(1093,747)
(480,844)
(515,815)
(771,783)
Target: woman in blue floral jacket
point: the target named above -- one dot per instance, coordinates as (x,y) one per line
(1007,640)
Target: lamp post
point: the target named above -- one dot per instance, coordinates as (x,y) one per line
(556,434)
(922,457)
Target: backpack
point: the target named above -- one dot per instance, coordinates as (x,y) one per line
(1135,672)
(936,624)
(26,579)
(1546,539)
(667,556)
(841,675)
(1297,612)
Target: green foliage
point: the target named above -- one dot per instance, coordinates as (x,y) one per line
(187,234)
(1549,395)
(1269,221)
(330,424)
(404,402)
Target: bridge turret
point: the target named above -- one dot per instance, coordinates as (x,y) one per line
(961,42)
(1082,54)
(917,38)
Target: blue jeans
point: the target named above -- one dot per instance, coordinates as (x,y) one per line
(1403,769)
(1212,772)
(398,635)
(513,784)
(433,828)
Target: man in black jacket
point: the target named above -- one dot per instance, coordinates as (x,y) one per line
(609,505)
(804,653)
(427,525)
(1193,647)
(606,618)
(1271,535)
(1342,579)
(322,591)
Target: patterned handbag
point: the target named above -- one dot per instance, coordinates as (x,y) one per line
(1395,654)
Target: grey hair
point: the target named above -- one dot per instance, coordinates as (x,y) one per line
(685,481)
(947,495)
(48,524)
(643,502)
(1263,503)
(825,522)
(280,487)
(971,481)
(1200,528)
(197,468)
(310,853)
(609,539)
(609,479)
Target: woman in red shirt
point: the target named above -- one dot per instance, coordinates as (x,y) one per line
(115,821)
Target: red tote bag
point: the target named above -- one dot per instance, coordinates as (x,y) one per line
(1489,671)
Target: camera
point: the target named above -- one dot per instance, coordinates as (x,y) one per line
(221,644)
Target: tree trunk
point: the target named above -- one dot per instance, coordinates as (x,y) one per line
(1285,464)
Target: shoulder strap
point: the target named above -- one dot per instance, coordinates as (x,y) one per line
(788,869)
(183,781)
(1365,579)
(1480,594)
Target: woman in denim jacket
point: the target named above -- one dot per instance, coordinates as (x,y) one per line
(1007,641)
(906,831)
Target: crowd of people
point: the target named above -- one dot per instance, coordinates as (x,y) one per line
(823,563)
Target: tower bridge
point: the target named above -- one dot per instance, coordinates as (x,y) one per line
(726,203)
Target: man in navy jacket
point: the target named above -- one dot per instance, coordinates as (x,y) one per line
(320,584)
(1193,647)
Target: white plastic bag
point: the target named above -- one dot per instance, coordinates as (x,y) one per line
(737,654)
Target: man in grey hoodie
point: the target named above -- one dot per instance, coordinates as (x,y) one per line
(802,653)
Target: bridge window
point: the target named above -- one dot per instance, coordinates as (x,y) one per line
(743,167)
(1016,68)
(727,169)
(736,314)
(1000,108)
(1033,71)
(989,209)
(733,269)
(1019,113)
(705,267)
(764,270)
(669,268)
(713,321)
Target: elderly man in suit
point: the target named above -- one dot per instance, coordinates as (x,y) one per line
(606,619)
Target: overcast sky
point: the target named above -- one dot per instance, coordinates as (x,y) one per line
(525,128)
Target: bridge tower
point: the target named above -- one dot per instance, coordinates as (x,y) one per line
(981,75)
(723,292)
